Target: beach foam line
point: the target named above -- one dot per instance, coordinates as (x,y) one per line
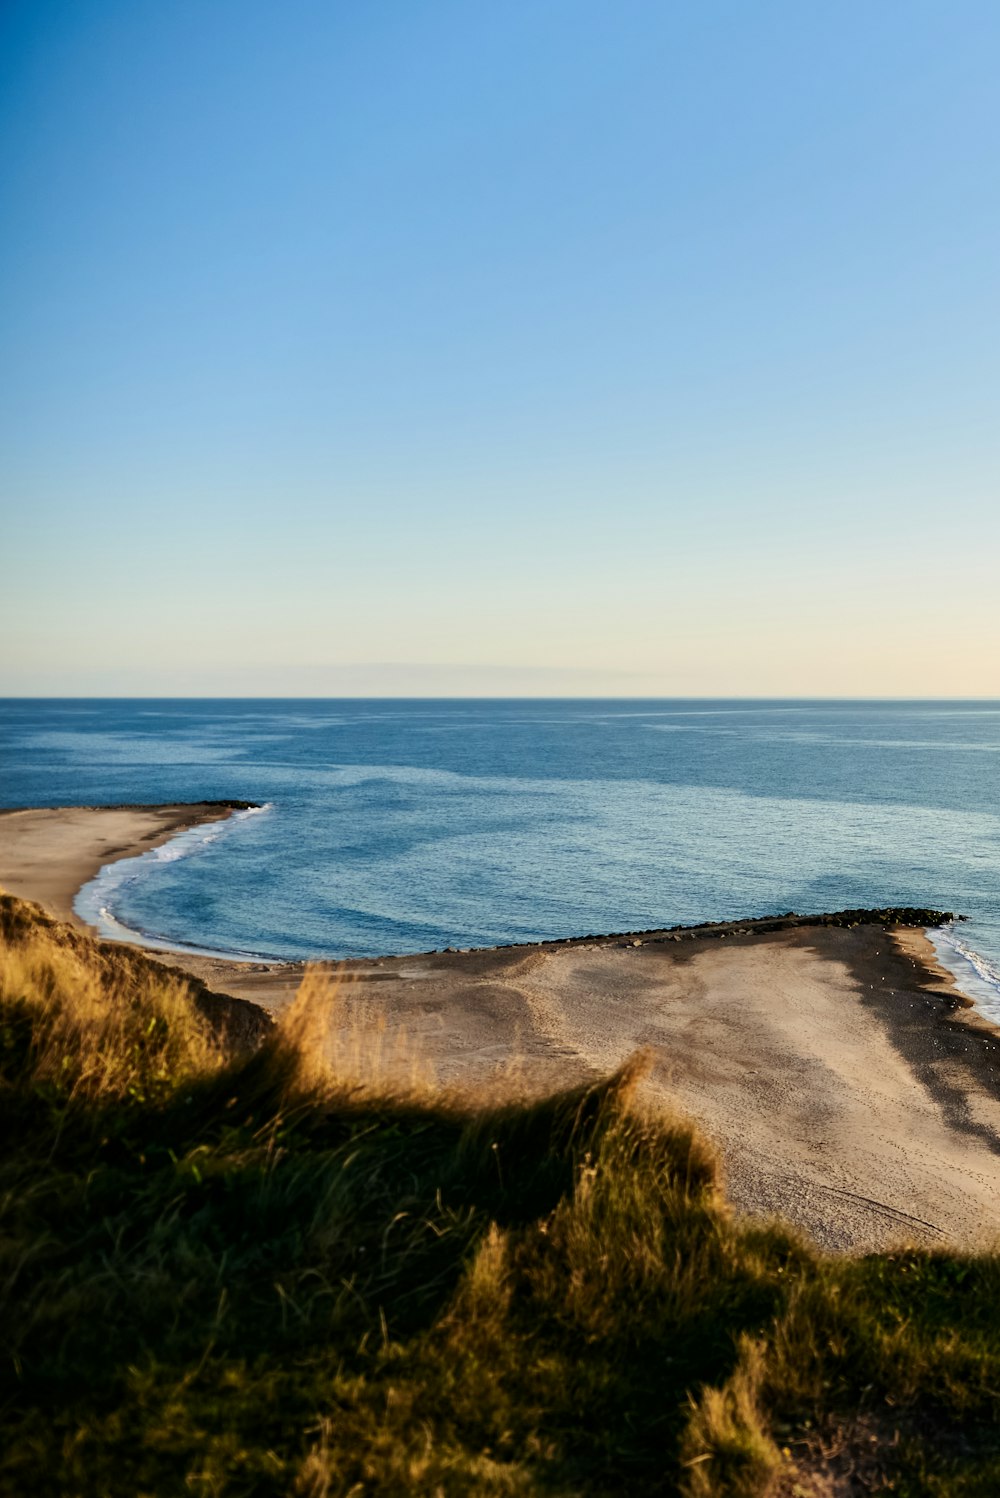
(976,976)
(95,902)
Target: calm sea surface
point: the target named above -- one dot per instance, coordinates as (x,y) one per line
(398,826)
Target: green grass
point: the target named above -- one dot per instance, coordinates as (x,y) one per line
(226,1275)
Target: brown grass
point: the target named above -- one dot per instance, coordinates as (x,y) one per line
(302,1269)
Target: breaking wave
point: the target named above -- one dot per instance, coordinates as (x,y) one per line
(976,975)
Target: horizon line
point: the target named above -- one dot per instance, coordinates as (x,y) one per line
(470,697)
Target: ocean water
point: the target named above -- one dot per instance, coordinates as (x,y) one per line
(401,826)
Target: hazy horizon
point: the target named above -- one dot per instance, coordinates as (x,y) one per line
(571,350)
(471,696)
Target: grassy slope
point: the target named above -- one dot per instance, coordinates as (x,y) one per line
(244,1275)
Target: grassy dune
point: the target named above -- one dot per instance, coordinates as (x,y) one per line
(230,1269)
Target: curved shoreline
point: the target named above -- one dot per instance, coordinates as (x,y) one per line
(48,853)
(57,850)
(97,902)
(847,1081)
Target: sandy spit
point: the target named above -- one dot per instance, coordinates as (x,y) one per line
(850,1088)
(48,853)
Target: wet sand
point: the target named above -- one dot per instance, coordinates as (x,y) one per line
(850,1088)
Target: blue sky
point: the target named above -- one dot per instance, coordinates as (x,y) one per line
(550,347)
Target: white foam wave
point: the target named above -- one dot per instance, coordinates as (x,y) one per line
(977,976)
(95,902)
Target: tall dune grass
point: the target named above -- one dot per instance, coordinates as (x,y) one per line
(303,1270)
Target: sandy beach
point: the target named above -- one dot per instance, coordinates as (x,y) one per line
(850,1088)
(48,853)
